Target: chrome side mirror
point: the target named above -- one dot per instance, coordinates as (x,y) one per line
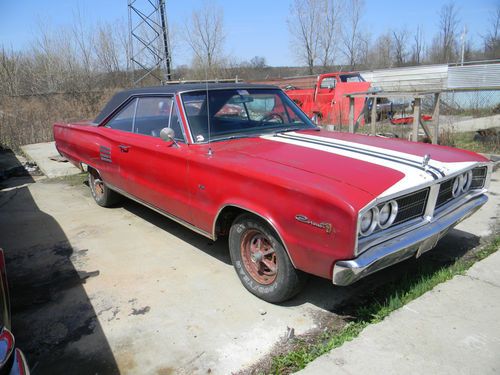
(168,135)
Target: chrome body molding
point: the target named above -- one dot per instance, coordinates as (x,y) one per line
(162,212)
(413,242)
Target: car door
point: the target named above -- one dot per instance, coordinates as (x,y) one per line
(156,170)
(110,144)
(325,99)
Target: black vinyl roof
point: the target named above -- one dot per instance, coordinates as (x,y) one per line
(122,96)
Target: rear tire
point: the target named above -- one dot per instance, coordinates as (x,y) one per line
(102,194)
(261,262)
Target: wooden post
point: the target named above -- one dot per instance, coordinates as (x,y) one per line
(416,119)
(373,115)
(435,117)
(351,114)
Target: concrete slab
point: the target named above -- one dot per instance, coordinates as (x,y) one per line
(467,124)
(40,153)
(451,330)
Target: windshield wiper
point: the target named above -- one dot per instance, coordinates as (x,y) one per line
(234,137)
(294,128)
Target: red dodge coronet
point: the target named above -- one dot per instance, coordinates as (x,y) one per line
(243,161)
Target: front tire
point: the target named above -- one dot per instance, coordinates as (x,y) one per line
(261,262)
(102,194)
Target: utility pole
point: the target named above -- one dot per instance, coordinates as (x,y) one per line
(148,41)
(462,38)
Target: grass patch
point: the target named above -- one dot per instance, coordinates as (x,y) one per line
(385,301)
(466,141)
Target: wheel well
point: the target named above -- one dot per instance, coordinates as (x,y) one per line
(93,171)
(226,218)
(229,214)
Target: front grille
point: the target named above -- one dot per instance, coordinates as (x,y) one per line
(411,206)
(445,190)
(445,193)
(478,177)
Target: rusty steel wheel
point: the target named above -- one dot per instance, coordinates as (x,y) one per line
(259,257)
(103,195)
(98,186)
(261,261)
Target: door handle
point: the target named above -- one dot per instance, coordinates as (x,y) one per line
(123,148)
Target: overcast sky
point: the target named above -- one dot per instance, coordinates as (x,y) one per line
(253,28)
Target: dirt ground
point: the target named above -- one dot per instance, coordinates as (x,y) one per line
(125,290)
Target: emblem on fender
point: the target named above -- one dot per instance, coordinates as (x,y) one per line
(304,219)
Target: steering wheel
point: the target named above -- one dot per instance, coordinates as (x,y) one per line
(271,116)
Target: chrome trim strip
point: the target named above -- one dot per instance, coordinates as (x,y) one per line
(160,211)
(412,243)
(269,222)
(431,201)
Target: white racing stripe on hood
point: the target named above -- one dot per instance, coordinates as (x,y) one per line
(446,168)
(412,176)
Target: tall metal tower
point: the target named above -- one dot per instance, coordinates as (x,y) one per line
(148,40)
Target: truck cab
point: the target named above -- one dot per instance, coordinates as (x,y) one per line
(327,101)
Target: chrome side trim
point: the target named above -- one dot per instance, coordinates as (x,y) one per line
(269,222)
(162,212)
(412,243)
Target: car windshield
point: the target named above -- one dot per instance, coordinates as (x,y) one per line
(237,113)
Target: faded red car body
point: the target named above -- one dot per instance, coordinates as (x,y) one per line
(327,99)
(309,186)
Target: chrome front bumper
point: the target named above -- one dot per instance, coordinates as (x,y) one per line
(410,244)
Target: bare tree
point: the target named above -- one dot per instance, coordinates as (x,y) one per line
(381,52)
(314,26)
(418,47)
(329,30)
(400,42)
(106,49)
(491,40)
(205,34)
(304,25)
(352,40)
(9,72)
(258,62)
(448,25)
(84,40)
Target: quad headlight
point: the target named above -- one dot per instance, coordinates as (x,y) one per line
(387,214)
(368,221)
(380,216)
(461,184)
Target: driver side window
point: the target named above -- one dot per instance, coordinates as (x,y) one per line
(328,83)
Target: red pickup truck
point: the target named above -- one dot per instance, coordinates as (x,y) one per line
(325,98)
(244,161)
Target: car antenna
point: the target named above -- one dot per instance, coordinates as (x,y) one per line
(210,153)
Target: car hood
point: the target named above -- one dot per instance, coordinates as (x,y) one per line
(379,166)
